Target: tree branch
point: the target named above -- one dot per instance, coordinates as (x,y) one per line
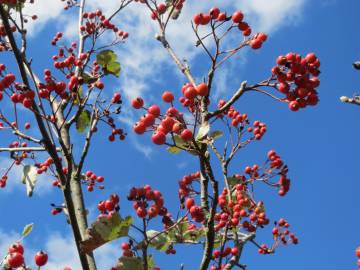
(228,104)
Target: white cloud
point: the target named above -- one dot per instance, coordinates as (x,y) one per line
(46,10)
(62,252)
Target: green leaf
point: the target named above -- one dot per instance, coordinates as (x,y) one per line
(203,131)
(216,134)
(83,121)
(29,178)
(105,57)
(27,230)
(78,98)
(233,180)
(173,150)
(151,263)
(134,263)
(104,230)
(160,242)
(88,79)
(194,235)
(114,68)
(108,60)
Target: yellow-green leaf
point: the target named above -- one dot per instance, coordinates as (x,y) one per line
(27,230)
(83,121)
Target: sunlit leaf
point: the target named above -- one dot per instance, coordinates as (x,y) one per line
(104,230)
(29,178)
(159,242)
(216,134)
(173,150)
(203,131)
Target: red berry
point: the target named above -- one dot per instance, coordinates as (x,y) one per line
(205,19)
(15,259)
(154,110)
(310,58)
(27,102)
(255,44)
(190,92)
(17,247)
(161,8)
(202,89)
(141,212)
(125,246)
(221,17)
(168,97)
(214,12)
(237,17)
(41,258)
(158,138)
(262,36)
(357,252)
(243,26)
(189,203)
(139,128)
(186,135)
(197,19)
(109,205)
(234,251)
(294,105)
(137,103)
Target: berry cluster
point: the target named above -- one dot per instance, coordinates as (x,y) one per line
(149,203)
(126,248)
(185,184)
(90,179)
(172,122)
(115,131)
(273,167)
(297,79)
(66,58)
(15,257)
(237,19)
(96,22)
(232,211)
(281,231)
(227,251)
(196,211)
(161,8)
(192,94)
(109,206)
(19,156)
(241,120)
(258,129)
(19,93)
(43,167)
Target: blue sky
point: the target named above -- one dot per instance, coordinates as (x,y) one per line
(319,144)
